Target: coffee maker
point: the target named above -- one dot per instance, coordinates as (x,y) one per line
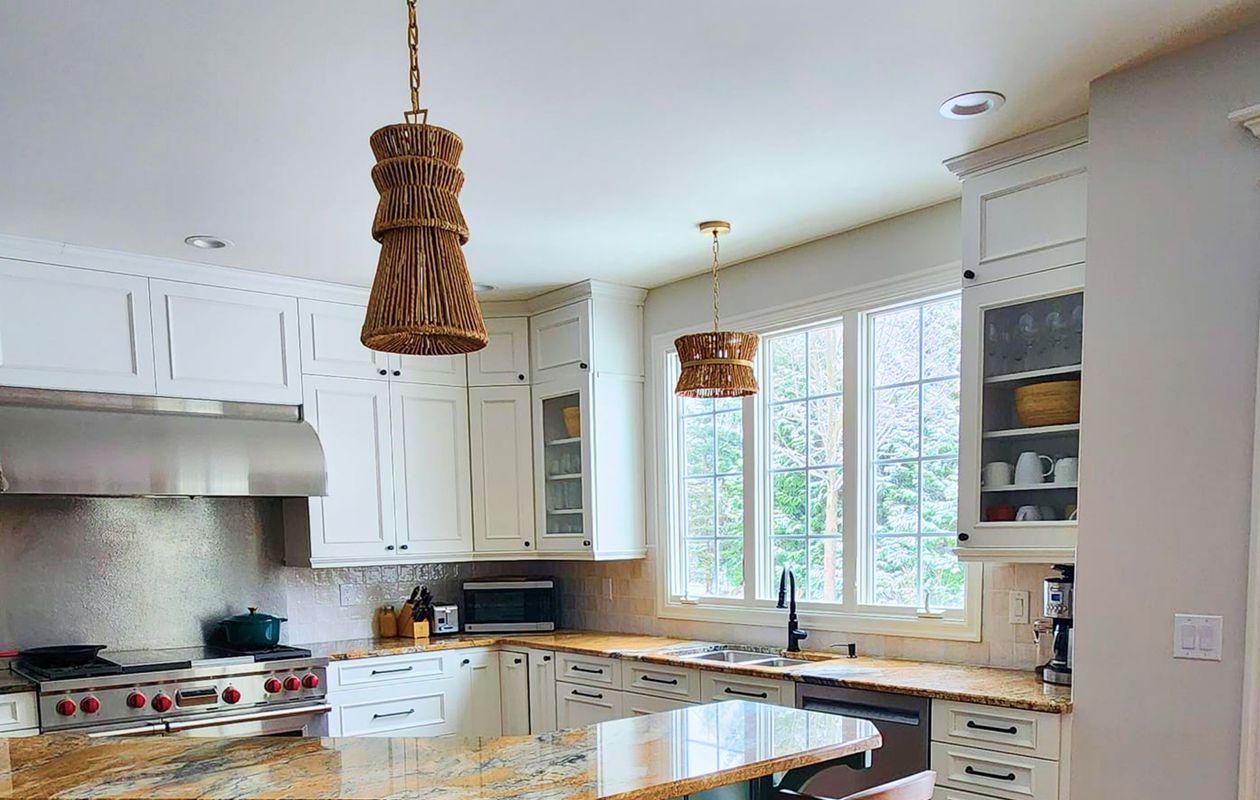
(1057,605)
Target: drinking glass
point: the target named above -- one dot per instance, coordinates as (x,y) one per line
(1057,326)
(1028,331)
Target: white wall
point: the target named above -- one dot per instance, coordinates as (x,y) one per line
(1172,306)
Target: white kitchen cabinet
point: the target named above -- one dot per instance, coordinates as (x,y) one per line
(356,520)
(659,679)
(438,370)
(74,329)
(432,485)
(1018,332)
(716,687)
(407,709)
(639,705)
(330,342)
(225,344)
(514,694)
(502,469)
(561,341)
(981,752)
(542,691)
(19,714)
(578,705)
(505,360)
(482,714)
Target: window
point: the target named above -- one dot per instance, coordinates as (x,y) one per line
(859,498)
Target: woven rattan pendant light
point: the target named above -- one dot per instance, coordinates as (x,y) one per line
(422,300)
(718,363)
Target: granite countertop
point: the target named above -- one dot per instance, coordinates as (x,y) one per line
(13,683)
(647,758)
(969,684)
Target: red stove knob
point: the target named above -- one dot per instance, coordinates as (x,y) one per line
(90,705)
(292,683)
(311,681)
(231,695)
(136,700)
(162,703)
(66,707)
(272,686)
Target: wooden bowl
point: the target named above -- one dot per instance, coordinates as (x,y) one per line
(1051,403)
(573,420)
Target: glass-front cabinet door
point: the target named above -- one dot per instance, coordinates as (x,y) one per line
(563,466)
(1021,432)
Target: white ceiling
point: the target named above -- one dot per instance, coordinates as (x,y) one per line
(597,132)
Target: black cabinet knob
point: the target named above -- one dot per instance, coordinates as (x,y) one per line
(402,547)
(389,547)
(525,543)
(465,663)
(521,376)
(397,373)
(969,274)
(584,365)
(962,537)
(586,542)
(383,371)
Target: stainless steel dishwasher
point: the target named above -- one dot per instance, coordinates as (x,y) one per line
(902,721)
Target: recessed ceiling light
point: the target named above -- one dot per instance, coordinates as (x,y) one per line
(206,242)
(972,104)
(482,288)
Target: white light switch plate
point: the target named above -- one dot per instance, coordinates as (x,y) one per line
(1197,636)
(1019,607)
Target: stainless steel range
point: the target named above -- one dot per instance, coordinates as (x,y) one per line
(194,691)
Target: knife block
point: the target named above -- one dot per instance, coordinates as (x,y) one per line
(413,630)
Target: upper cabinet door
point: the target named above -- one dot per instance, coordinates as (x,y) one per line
(434,370)
(225,344)
(432,477)
(356,519)
(561,341)
(505,361)
(502,469)
(63,328)
(330,342)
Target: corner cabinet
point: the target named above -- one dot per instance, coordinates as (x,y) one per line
(1023,328)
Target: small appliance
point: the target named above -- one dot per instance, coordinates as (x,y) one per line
(510,605)
(443,618)
(1057,599)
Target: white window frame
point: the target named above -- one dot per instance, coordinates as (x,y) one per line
(756,607)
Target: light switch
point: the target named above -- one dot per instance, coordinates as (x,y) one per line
(1019,607)
(1197,636)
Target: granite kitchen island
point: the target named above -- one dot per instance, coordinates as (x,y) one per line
(735,744)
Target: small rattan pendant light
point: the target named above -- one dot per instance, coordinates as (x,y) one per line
(422,300)
(718,363)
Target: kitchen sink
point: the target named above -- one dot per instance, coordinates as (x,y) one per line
(783,662)
(731,656)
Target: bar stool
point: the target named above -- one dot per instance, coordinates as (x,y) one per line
(913,787)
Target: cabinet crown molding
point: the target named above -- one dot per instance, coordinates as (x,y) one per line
(1022,148)
(1249,118)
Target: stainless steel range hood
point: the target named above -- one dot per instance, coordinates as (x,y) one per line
(77,443)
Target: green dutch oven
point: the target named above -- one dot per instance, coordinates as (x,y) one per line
(252,631)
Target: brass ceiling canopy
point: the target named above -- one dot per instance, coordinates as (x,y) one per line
(422,300)
(716,363)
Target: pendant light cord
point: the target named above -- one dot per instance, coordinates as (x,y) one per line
(413,47)
(715,281)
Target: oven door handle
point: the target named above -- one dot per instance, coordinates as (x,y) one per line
(280,713)
(151,729)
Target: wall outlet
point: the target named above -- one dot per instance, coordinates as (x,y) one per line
(352,595)
(1019,601)
(608,589)
(1197,636)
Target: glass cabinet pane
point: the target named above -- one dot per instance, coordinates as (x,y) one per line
(562,462)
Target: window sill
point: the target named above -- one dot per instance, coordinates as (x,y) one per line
(958,629)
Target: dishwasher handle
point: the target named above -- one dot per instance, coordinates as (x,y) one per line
(896,716)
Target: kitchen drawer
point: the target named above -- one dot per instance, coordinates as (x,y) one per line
(18,710)
(387,670)
(637,705)
(718,686)
(662,681)
(1006,729)
(946,793)
(579,705)
(591,670)
(995,774)
(428,708)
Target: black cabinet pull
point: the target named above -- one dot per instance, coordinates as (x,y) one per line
(1010,776)
(650,679)
(383,371)
(586,542)
(592,696)
(391,671)
(761,695)
(584,365)
(546,658)
(516,661)
(406,713)
(521,376)
(578,668)
(389,547)
(397,373)
(969,274)
(525,543)
(402,547)
(465,663)
(971,723)
(962,537)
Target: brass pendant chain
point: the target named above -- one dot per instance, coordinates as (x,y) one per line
(715,281)
(413,47)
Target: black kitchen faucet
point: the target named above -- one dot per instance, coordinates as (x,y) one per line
(794,634)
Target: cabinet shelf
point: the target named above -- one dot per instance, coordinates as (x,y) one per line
(1029,487)
(565,511)
(1032,374)
(570,477)
(570,440)
(1043,430)
(1033,523)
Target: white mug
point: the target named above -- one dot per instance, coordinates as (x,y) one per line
(1028,514)
(1066,470)
(996,473)
(1028,468)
